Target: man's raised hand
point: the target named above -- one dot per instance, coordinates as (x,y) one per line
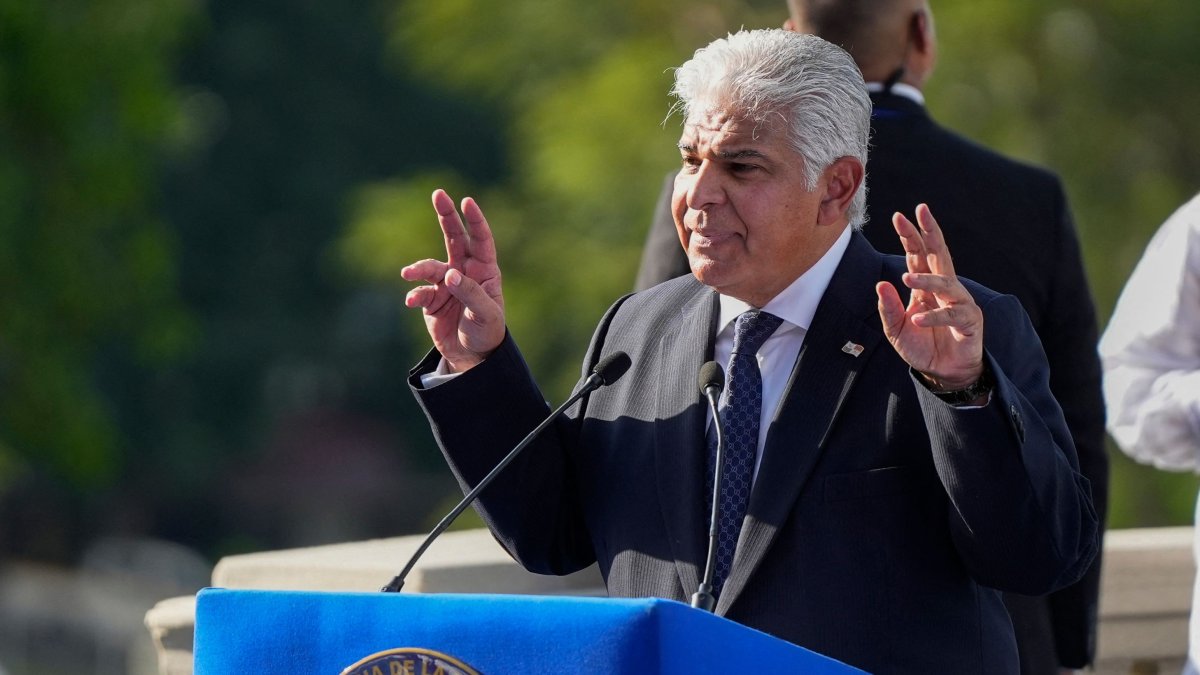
(462,301)
(940,333)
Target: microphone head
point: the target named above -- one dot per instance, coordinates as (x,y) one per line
(711,375)
(612,367)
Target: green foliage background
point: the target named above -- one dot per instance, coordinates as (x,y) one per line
(204,208)
(87,276)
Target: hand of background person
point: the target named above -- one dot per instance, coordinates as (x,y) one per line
(940,333)
(462,303)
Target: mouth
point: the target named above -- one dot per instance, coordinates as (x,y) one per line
(709,239)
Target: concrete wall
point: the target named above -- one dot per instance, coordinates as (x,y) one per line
(1146,596)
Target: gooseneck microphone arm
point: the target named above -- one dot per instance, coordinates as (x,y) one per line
(609,370)
(712,382)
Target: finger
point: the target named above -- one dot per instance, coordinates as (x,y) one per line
(891,309)
(458,243)
(428,270)
(483,247)
(961,318)
(429,298)
(912,241)
(947,289)
(937,253)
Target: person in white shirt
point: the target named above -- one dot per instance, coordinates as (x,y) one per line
(1151,357)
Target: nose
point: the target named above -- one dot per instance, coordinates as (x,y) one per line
(706,189)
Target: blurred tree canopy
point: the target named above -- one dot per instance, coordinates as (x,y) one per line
(204,208)
(180,354)
(87,263)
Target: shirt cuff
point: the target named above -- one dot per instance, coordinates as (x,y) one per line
(440,376)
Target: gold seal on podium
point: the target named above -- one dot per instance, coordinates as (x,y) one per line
(410,661)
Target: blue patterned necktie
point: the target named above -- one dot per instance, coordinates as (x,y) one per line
(741,412)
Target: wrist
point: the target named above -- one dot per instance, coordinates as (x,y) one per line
(939,384)
(973,392)
(458,365)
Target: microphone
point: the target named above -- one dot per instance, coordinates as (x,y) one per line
(712,382)
(608,370)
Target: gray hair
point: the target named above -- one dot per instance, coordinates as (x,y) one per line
(812,84)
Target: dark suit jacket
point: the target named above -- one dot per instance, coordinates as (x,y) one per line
(1009,228)
(882,518)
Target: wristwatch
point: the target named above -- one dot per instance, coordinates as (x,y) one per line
(972,392)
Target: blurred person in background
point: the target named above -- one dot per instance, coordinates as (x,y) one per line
(1010,228)
(1151,355)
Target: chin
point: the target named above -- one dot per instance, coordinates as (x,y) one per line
(706,270)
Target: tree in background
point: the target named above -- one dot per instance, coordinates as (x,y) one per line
(179,356)
(87,272)
(1102,92)
(290,423)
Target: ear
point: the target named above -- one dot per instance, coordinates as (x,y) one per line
(790,25)
(840,180)
(921,32)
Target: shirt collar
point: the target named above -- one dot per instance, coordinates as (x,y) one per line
(900,89)
(796,304)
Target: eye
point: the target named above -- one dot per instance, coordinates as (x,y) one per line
(690,163)
(741,168)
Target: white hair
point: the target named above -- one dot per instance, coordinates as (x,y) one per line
(812,84)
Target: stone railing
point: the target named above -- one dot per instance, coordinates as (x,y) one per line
(1144,604)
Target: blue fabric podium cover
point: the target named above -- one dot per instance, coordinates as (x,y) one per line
(260,632)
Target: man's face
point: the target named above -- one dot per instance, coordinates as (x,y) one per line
(743,214)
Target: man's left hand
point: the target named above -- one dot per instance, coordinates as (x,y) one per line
(940,333)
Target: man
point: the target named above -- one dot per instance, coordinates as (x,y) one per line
(1151,352)
(893,471)
(1010,229)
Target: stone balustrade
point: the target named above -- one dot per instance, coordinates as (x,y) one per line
(1144,604)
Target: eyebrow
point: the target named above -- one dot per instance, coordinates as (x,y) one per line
(732,154)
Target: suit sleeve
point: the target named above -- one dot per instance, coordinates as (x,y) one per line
(533,507)
(1021,513)
(662,258)
(477,418)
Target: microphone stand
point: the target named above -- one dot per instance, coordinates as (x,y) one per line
(703,598)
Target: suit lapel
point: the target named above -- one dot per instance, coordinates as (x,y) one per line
(680,449)
(820,382)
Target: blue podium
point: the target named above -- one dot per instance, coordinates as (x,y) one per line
(241,631)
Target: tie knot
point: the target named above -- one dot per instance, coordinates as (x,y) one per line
(751,329)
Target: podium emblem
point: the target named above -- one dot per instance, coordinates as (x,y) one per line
(410,661)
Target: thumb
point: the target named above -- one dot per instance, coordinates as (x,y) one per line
(480,307)
(891,309)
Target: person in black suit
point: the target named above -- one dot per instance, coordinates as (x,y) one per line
(1010,229)
(899,459)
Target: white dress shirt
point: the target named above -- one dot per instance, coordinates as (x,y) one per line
(796,305)
(900,89)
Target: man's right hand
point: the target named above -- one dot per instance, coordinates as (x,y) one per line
(462,303)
